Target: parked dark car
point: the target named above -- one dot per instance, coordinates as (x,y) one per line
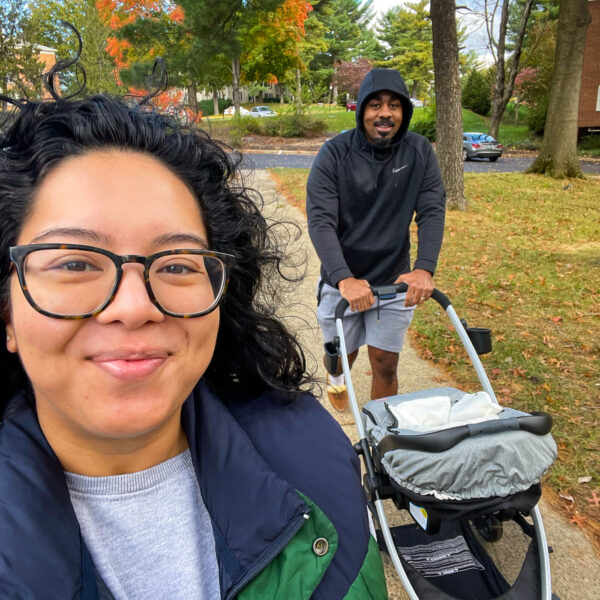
(481,145)
(351,105)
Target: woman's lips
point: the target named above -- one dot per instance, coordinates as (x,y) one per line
(132,367)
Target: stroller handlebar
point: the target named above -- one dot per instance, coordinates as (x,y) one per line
(385,292)
(538,423)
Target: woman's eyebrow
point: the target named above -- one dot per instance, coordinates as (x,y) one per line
(180,238)
(76,232)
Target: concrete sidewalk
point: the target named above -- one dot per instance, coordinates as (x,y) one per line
(575,566)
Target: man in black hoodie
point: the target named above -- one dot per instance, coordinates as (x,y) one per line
(363,190)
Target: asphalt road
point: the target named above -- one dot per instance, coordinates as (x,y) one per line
(505,164)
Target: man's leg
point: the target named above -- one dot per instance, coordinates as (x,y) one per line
(384,365)
(385,332)
(351,358)
(354,334)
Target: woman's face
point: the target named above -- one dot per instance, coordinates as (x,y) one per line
(125,373)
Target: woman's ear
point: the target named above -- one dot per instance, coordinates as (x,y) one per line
(11,342)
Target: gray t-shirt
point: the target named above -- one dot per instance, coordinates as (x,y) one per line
(149,533)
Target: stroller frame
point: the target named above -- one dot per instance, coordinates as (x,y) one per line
(363,447)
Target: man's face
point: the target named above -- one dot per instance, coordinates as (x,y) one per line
(382,118)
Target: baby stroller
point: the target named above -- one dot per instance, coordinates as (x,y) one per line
(460,479)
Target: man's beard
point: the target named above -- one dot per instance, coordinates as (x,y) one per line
(383,141)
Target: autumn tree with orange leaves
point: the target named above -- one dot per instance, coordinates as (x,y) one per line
(142,30)
(274,44)
(205,43)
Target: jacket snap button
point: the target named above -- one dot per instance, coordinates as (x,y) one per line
(320,546)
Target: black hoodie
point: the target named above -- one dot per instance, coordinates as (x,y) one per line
(361,201)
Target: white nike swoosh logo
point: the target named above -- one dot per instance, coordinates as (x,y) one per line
(400,169)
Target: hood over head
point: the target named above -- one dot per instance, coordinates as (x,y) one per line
(377,80)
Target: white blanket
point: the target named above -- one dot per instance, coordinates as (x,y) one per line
(432,414)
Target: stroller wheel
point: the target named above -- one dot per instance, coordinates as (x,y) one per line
(489,528)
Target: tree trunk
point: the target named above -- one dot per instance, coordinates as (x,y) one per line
(497,109)
(192,98)
(558,154)
(298,91)
(503,89)
(447,92)
(235,69)
(215,94)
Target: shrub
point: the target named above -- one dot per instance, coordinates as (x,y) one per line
(425,123)
(536,117)
(476,93)
(207,106)
(425,128)
(248,125)
(287,125)
(295,125)
(590,142)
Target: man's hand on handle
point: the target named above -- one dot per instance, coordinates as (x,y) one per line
(420,286)
(357,292)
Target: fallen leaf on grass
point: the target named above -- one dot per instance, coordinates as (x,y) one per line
(547,341)
(566,496)
(595,499)
(584,479)
(578,519)
(556,319)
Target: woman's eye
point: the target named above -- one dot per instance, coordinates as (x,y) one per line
(78,266)
(178,269)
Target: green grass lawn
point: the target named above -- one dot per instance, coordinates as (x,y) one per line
(524,260)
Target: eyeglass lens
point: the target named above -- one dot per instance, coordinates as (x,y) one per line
(70,282)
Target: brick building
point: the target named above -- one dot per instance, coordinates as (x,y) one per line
(589,99)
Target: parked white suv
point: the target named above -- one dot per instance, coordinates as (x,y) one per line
(262,111)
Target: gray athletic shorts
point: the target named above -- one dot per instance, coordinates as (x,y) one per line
(362,328)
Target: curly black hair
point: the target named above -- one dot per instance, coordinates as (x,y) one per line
(254,349)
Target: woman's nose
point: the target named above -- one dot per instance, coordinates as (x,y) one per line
(131,303)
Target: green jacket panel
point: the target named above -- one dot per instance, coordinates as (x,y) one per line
(370,582)
(297,571)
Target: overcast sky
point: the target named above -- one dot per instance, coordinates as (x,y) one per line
(476,41)
(380,6)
